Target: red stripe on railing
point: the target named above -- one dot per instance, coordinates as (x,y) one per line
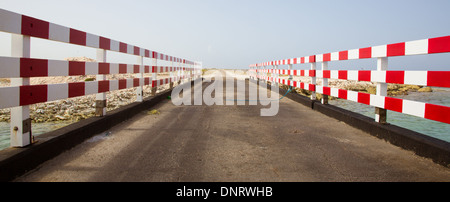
(397,49)
(395,77)
(122,68)
(326,74)
(393,104)
(123,47)
(342,94)
(365,52)
(364,98)
(327,57)
(122,84)
(105,43)
(33,94)
(437,113)
(103,68)
(364,75)
(342,74)
(137,50)
(438,78)
(326,90)
(343,55)
(136,82)
(136,68)
(439,45)
(103,86)
(35,27)
(33,67)
(76,89)
(77,37)
(76,68)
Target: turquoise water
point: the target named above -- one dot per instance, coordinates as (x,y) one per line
(38,129)
(435,129)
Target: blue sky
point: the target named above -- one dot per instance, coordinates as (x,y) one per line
(236,33)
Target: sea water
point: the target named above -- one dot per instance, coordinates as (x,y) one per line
(38,129)
(439,96)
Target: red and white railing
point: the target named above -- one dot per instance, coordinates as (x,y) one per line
(20,68)
(381,77)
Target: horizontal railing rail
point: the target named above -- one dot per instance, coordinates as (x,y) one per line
(25,25)
(29,67)
(418,47)
(20,68)
(382,76)
(424,78)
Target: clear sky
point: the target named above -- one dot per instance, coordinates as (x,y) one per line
(236,33)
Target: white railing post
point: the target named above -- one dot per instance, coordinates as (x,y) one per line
(171,75)
(275,76)
(100,98)
(154,74)
(264,73)
(256,73)
(313,81)
(291,78)
(140,75)
(380,113)
(20,125)
(191,72)
(324,83)
(179,72)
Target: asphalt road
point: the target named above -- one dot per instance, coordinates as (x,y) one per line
(234,143)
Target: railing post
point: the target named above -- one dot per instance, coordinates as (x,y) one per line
(276,76)
(324,83)
(257,73)
(291,78)
(140,75)
(179,72)
(192,72)
(313,81)
(171,75)
(380,113)
(100,98)
(154,75)
(20,125)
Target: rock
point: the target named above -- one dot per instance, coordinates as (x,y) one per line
(319,96)
(397,92)
(153,112)
(371,90)
(83,59)
(413,87)
(392,87)
(426,89)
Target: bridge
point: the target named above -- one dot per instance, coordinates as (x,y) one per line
(220,137)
